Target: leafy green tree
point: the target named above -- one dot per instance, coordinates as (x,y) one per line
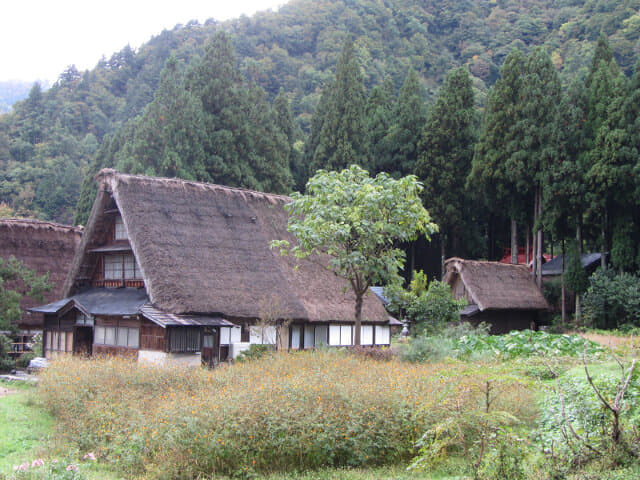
(408,124)
(342,139)
(357,221)
(428,306)
(14,278)
(446,153)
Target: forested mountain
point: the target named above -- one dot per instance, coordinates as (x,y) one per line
(12,91)
(55,138)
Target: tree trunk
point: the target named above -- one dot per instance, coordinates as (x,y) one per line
(535,237)
(603,249)
(491,235)
(514,241)
(527,254)
(578,306)
(443,242)
(356,334)
(563,293)
(539,246)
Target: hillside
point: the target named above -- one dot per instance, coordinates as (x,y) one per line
(48,140)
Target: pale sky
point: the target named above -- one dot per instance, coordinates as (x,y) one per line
(40,38)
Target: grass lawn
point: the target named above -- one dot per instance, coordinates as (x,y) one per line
(381,473)
(24,428)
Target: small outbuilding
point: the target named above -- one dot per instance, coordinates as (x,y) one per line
(499,294)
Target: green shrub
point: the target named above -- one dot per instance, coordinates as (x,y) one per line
(612,300)
(576,402)
(6,362)
(254,352)
(442,345)
(23,360)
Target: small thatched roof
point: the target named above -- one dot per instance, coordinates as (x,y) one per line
(495,285)
(204,249)
(43,247)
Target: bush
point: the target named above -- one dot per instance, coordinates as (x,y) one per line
(612,300)
(23,360)
(435,309)
(443,345)
(288,412)
(254,352)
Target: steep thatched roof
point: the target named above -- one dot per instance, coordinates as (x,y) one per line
(43,247)
(204,249)
(496,286)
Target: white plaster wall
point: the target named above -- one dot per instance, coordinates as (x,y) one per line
(164,358)
(238,347)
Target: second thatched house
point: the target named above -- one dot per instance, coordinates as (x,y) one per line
(172,269)
(45,248)
(502,295)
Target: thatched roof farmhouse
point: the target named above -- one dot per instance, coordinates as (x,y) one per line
(199,256)
(44,247)
(502,295)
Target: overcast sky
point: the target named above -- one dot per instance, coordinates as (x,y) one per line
(40,38)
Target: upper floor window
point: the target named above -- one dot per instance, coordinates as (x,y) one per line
(119,267)
(121,231)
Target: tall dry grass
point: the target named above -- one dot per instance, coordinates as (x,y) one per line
(284,412)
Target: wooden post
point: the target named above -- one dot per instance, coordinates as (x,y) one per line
(514,241)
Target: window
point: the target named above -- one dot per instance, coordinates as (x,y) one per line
(184,339)
(366,335)
(59,341)
(117,336)
(309,336)
(322,332)
(296,330)
(382,335)
(340,335)
(262,335)
(82,319)
(121,231)
(118,267)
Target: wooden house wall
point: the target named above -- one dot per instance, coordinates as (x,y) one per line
(152,336)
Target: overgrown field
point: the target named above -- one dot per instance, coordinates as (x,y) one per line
(287,412)
(518,406)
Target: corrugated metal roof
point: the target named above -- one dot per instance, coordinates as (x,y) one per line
(102,301)
(53,307)
(111,248)
(554,267)
(379,292)
(165,319)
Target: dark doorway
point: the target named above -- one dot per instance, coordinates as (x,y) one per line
(211,346)
(83,341)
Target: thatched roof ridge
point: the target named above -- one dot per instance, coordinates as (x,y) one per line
(45,247)
(108,174)
(495,285)
(204,249)
(39,224)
